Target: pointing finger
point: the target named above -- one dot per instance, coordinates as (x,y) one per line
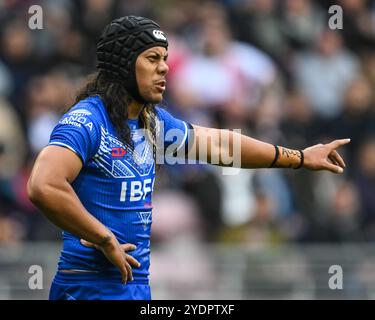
(338,143)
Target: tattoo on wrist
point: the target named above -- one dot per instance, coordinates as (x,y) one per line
(289,153)
(287,158)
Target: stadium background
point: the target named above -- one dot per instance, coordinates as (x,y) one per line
(272,68)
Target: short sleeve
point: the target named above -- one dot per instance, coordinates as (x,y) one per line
(79,131)
(176,133)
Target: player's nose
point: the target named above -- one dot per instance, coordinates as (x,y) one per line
(163,67)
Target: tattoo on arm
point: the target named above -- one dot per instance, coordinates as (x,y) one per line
(289,158)
(288,152)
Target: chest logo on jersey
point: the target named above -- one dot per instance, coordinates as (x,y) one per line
(118,152)
(119,160)
(136,190)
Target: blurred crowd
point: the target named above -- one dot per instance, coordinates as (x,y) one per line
(271,68)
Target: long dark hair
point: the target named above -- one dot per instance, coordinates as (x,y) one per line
(116,100)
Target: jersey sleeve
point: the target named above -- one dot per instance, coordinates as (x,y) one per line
(177,134)
(78,130)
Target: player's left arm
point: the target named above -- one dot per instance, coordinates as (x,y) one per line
(254,153)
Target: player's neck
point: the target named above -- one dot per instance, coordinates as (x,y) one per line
(134,109)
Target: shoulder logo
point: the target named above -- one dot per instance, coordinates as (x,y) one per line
(158,34)
(80,112)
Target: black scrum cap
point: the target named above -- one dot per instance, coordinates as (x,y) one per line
(120,44)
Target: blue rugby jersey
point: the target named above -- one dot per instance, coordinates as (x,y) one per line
(115,184)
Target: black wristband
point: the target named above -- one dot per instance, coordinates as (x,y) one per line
(302,159)
(277,153)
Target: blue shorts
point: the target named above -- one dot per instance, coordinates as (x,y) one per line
(78,286)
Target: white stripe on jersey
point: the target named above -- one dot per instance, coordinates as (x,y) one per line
(62,144)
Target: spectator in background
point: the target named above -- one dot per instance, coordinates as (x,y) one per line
(48,95)
(202,185)
(365,181)
(357,118)
(96,14)
(262,229)
(5,80)
(368,69)
(344,216)
(11,230)
(299,123)
(257,23)
(179,227)
(359,27)
(323,73)
(12,141)
(16,51)
(13,226)
(226,77)
(302,22)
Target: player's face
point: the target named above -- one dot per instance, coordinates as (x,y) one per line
(151,69)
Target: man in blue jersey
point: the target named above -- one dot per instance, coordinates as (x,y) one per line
(96,176)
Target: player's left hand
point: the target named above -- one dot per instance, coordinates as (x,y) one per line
(325,156)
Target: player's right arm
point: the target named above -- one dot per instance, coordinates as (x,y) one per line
(49,188)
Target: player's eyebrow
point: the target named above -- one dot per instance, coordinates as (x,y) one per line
(158,54)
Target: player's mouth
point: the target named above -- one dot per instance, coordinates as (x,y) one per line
(160,85)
